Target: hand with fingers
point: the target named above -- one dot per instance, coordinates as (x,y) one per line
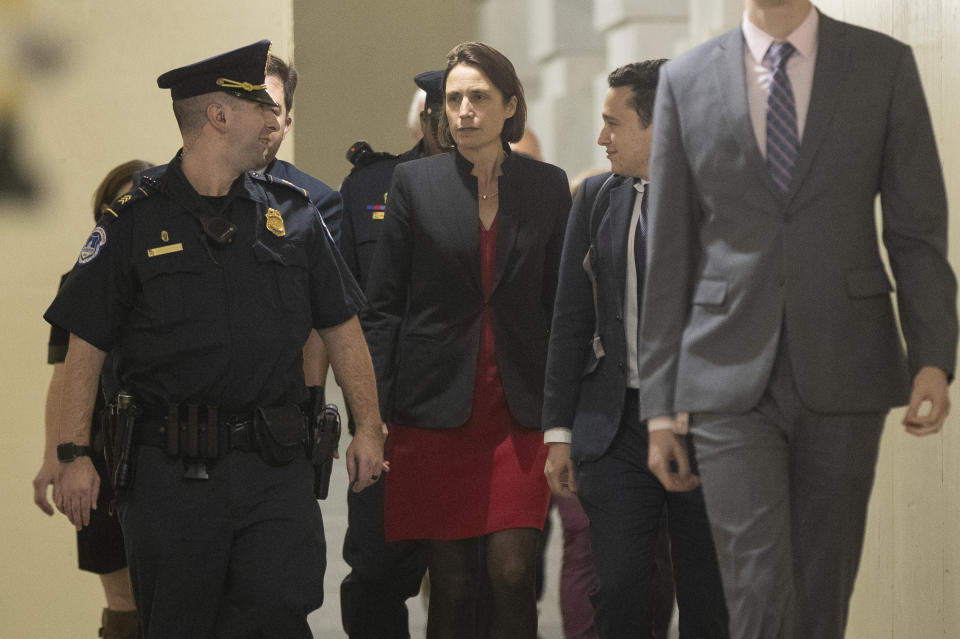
(929,402)
(665,447)
(559,470)
(365,460)
(46,477)
(75,490)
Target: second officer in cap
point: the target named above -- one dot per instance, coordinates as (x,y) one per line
(382,576)
(204,283)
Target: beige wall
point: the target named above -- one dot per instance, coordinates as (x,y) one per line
(100,108)
(909,583)
(357,61)
(103,107)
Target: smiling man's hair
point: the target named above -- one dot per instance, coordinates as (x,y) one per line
(642,79)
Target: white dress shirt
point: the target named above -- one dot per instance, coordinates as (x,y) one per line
(631,315)
(631,311)
(800,67)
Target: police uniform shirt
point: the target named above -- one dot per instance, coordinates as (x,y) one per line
(364,194)
(188,321)
(322,196)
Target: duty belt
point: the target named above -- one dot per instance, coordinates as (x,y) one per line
(195,431)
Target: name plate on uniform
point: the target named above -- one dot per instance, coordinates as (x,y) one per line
(163,250)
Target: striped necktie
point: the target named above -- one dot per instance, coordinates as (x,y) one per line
(782,139)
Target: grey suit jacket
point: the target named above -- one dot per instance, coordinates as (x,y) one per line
(586,383)
(806,262)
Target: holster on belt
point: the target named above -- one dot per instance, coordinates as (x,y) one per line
(323,439)
(119,420)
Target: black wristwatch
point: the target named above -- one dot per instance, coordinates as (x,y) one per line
(70,451)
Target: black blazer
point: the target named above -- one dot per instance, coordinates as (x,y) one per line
(586,384)
(424,291)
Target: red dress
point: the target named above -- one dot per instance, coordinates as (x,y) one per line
(483,477)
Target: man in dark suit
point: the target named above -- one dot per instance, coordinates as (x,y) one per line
(779,338)
(597,442)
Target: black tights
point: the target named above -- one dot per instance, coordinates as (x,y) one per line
(509,561)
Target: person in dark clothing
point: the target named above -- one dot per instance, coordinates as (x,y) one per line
(203,285)
(382,575)
(281,81)
(100,546)
(598,444)
(460,293)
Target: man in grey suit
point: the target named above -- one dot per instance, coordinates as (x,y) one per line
(772,142)
(598,445)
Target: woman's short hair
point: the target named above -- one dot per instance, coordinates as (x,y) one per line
(499,70)
(109,187)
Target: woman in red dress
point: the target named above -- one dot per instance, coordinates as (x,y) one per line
(460,297)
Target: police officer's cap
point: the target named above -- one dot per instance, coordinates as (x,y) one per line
(241,73)
(432,83)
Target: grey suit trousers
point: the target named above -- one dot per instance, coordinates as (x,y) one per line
(786,492)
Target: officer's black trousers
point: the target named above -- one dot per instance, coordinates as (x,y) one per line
(241,554)
(383,576)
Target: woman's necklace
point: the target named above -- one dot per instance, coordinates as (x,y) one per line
(495,193)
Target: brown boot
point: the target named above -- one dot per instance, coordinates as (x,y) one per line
(119,624)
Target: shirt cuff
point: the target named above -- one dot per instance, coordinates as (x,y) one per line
(652,428)
(680,424)
(557,436)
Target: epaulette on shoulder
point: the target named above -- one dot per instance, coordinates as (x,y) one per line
(140,192)
(264,177)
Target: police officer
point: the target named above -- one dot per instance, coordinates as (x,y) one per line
(383,576)
(204,283)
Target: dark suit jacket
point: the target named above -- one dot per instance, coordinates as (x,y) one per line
(806,261)
(585,384)
(424,289)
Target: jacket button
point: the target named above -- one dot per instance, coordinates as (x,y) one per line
(620,364)
(619,317)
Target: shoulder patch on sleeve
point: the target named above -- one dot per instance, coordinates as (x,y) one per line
(91,248)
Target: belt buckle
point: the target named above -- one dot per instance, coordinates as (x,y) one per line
(195,469)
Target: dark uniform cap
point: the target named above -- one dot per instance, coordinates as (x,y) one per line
(241,73)
(432,83)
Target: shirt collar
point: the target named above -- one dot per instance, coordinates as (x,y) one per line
(803,38)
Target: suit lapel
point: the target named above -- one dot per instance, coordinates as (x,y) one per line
(827,86)
(464,220)
(614,232)
(730,83)
(508,223)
